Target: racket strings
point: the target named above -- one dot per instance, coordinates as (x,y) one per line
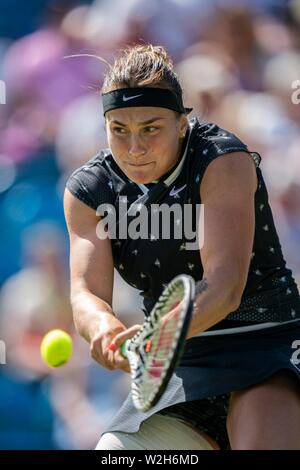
(154,350)
(154,356)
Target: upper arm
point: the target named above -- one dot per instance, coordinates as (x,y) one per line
(91,261)
(227,191)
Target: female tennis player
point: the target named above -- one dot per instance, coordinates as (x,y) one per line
(237,384)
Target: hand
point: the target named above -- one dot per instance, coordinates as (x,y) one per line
(105,332)
(117,342)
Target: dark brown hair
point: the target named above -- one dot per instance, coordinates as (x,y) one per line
(142,66)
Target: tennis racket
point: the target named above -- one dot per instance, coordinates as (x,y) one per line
(154,352)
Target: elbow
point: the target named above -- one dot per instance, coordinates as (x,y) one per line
(75,300)
(75,315)
(235,285)
(229,287)
(234,297)
(234,301)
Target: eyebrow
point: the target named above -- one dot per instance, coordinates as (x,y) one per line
(144,123)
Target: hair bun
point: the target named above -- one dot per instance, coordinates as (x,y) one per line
(151,50)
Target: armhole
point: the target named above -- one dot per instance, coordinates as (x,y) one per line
(257,160)
(78,191)
(91,186)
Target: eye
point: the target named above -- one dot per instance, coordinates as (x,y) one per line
(151,129)
(119,130)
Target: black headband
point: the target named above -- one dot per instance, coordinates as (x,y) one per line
(132,97)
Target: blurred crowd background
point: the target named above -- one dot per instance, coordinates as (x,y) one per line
(237,61)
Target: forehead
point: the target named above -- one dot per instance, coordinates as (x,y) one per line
(138,115)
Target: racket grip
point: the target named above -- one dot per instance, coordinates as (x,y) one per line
(124,347)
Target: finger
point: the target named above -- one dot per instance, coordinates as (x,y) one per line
(109,360)
(121,363)
(121,337)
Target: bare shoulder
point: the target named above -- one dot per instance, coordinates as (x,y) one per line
(229,173)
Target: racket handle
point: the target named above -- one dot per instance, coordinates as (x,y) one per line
(124,347)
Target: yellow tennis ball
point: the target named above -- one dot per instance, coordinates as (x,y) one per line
(56,348)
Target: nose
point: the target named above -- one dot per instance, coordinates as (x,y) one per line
(136,148)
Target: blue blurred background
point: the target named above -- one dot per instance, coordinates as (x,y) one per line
(237,61)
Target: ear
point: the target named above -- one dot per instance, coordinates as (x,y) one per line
(183,125)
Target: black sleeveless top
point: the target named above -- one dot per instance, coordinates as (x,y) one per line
(148,264)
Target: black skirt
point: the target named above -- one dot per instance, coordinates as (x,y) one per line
(211,368)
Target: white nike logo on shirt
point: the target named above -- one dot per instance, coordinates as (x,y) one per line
(174,191)
(127,98)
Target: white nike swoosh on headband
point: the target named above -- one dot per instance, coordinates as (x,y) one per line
(127,98)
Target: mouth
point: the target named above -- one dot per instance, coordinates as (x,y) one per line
(139,165)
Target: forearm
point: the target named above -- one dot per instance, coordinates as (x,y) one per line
(89,312)
(215,299)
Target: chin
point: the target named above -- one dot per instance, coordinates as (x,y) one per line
(141,179)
